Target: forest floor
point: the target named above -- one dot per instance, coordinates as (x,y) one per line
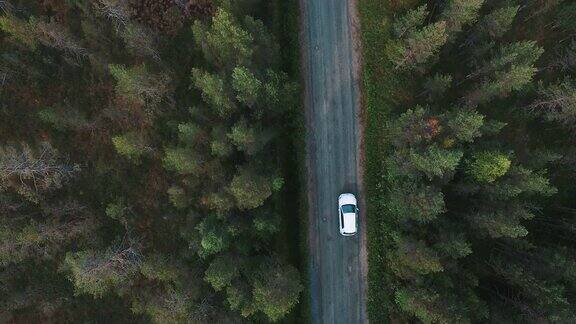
(334,139)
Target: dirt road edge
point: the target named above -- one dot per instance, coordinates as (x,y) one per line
(357,68)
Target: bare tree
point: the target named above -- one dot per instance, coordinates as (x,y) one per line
(54,35)
(6,6)
(115,10)
(30,172)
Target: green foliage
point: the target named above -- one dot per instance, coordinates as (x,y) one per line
(224,43)
(117,209)
(20,31)
(239,297)
(267,225)
(63,119)
(420,47)
(565,17)
(276,290)
(451,241)
(413,257)
(465,125)
(158,267)
(188,133)
(410,22)
(181,160)
(137,84)
(246,86)
(213,237)
(497,23)
(213,91)
(250,189)
(423,304)
(503,84)
(437,85)
(435,161)
(178,197)
(107,81)
(222,270)
(414,202)
(454,247)
(130,145)
(487,167)
(460,13)
(96,273)
(523,53)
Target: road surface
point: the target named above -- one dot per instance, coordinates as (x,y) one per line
(337,263)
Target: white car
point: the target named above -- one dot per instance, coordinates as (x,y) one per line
(348,214)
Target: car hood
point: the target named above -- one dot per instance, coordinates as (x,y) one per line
(346,199)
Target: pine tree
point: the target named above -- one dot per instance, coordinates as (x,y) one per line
(276,289)
(412,201)
(131,145)
(20,31)
(413,257)
(464,125)
(496,24)
(250,188)
(214,92)
(221,272)
(224,43)
(410,22)
(501,85)
(434,161)
(246,86)
(181,160)
(139,85)
(98,272)
(460,13)
(420,47)
(487,167)
(436,86)
(214,237)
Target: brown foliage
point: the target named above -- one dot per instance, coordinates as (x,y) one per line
(433,127)
(199,8)
(155,186)
(54,8)
(160,15)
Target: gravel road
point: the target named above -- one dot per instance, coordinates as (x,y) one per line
(337,263)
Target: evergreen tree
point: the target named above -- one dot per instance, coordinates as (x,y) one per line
(130,145)
(139,85)
(276,289)
(496,24)
(410,22)
(460,13)
(250,188)
(96,273)
(420,47)
(488,166)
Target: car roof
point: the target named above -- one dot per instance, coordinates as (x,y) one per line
(349,223)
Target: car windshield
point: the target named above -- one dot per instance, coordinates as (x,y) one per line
(348,209)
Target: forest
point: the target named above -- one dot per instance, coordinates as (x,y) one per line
(146,160)
(471,160)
